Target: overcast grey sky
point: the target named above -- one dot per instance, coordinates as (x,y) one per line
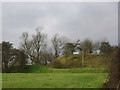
(93,20)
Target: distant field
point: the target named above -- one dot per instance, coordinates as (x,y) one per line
(53,80)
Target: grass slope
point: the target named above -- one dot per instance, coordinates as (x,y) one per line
(91,60)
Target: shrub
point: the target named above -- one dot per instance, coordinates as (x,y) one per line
(114,71)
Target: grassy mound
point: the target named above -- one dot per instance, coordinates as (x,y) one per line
(75,61)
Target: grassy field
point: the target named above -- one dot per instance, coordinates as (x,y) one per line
(53,80)
(0,80)
(44,77)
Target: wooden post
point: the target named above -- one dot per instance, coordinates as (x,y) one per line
(83,58)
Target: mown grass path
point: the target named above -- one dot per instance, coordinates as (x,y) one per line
(53,80)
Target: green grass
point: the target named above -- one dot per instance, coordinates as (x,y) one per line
(0,80)
(53,80)
(44,69)
(38,76)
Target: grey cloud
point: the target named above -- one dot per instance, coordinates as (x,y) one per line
(73,20)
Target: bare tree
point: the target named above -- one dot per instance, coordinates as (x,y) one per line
(58,44)
(38,45)
(26,44)
(86,47)
(34,46)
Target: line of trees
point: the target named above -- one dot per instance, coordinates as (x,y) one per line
(37,49)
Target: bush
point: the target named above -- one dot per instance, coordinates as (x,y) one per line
(114,71)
